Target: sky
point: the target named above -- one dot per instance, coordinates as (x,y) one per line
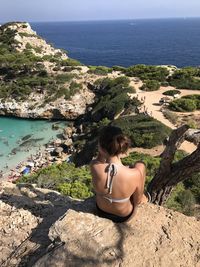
(77,10)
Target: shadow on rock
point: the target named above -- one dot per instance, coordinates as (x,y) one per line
(50,207)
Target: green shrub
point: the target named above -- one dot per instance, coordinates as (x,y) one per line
(71,181)
(75,87)
(183,105)
(164,84)
(143,131)
(187,201)
(172,202)
(76,190)
(150,85)
(111,98)
(63,78)
(25,34)
(172,92)
(70,62)
(147,72)
(29,46)
(185,78)
(192,124)
(56,68)
(195,98)
(193,184)
(100,70)
(38,49)
(118,68)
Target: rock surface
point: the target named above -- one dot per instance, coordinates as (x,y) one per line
(59,109)
(193,135)
(157,237)
(39,227)
(26,36)
(37,106)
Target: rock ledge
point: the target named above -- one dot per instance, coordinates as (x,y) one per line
(40,228)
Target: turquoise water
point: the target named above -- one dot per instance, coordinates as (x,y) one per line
(19,138)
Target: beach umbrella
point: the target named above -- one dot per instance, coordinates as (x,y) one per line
(22,168)
(26,170)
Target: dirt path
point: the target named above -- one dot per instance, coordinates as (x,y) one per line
(153,107)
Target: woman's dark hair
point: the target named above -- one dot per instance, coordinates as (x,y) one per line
(113,141)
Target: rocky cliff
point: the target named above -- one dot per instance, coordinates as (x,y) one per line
(25,37)
(40,228)
(37,80)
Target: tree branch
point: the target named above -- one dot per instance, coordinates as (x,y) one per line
(175,140)
(169,174)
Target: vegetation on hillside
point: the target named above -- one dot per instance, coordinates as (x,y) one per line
(186,78)
(187,103)
(150,85)
(76,182)
(112,98)
(145,72)
(99,70)
(172,92)
(144,131)
(23,73)
(65,178)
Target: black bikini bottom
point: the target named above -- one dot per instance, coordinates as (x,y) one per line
(112,217)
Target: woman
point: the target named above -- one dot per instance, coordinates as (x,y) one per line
(119,189)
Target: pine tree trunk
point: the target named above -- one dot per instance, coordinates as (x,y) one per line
(170,174)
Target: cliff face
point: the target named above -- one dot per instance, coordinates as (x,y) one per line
(25,36)
(59,109)
(40,228)
(37,80)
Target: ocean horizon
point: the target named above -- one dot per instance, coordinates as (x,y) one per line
(166,41)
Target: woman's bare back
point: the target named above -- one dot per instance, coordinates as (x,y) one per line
(126,184)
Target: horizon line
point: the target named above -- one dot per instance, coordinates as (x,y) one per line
(101,20)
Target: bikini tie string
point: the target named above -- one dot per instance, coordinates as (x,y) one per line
(112,171)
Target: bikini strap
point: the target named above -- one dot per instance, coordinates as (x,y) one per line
(112,171)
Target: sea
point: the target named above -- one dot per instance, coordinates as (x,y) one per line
(21,138)
(108,43)
(127,42)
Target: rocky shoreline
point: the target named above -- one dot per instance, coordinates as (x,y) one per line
(55,152)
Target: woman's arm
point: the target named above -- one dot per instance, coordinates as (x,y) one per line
(140,176)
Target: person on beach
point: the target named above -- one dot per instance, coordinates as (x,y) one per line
(119,189)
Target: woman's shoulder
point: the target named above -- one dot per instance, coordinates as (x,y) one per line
(96,164)
(131,172)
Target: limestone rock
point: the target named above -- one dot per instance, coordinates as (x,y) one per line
(39,227)
(36,105)
(16,227)
(26,36)
(59,109)
(156,237)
